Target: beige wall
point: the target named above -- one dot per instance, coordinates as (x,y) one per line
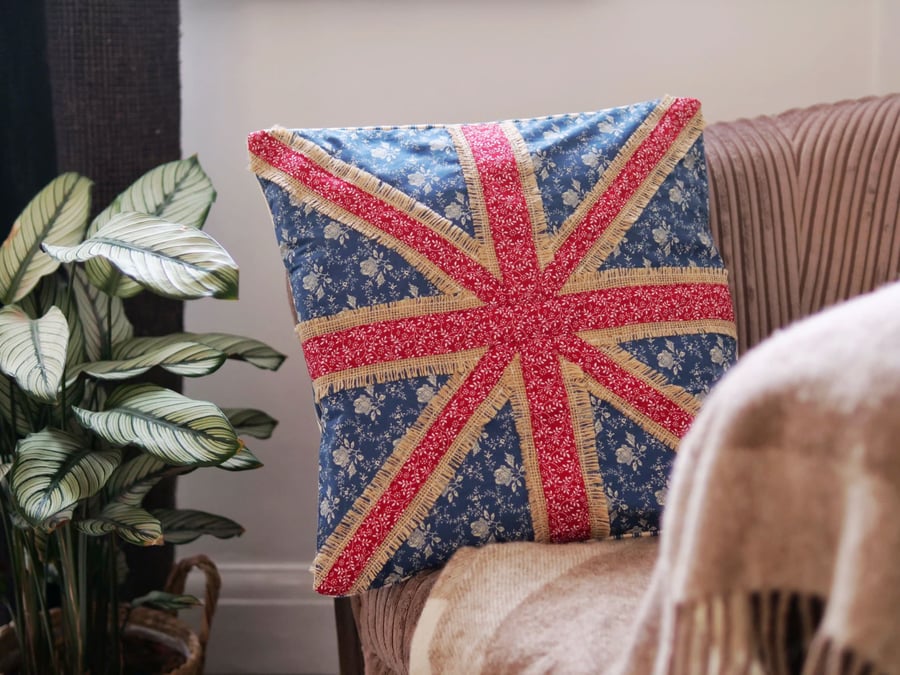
(248,64)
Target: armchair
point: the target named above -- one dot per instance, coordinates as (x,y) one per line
(805,209)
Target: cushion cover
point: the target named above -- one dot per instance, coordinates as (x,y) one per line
(508,326)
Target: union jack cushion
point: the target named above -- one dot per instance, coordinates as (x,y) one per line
(508,326)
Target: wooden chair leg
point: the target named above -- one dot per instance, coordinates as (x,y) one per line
(349,648)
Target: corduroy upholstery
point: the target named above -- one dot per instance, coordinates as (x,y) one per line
(805,209)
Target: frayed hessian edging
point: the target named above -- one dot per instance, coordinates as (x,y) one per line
(514,384)
(773,632)
(418,508)
(593,280)
(586,442)
(645,331)
(380,373)
(434,487)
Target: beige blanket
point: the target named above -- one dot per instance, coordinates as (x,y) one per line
(780,549)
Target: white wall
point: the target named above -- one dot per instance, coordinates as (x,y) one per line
(249,64)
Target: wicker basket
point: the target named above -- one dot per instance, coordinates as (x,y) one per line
(151,624)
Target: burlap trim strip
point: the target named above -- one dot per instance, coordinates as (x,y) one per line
(642,276)
(644,331)
(514,385)
(585,440)
(379,373)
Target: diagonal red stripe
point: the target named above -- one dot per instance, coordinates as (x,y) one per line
(636,170)
(554,441)
(644,398)
(456,264)
(384,515)
(504,200)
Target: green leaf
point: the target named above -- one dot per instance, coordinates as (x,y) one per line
(34,351)
(172,260)
(52,291)
(181,526)
(4,469)
(250,422)
(131,481)
(179,192)
(133,524)
(95,309)
(57,215)
(177,429)
(238,347)
(53,471)
(243,460)
(22,407)
(168,602)
(182,358)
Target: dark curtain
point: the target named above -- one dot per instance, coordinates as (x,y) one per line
(93,86)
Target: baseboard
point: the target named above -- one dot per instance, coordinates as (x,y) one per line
(269,621)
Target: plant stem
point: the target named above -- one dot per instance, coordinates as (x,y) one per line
(70,601)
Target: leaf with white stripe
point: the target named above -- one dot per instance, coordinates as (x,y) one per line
(236,347)
(34,351)
(52,290)
(53,471)
(133,524)
(178,191)
(175,428)
(57,215)
(182,526)
(251,422)
(172,260)
(132,480)
(100,314)
(242,460)
(190,359)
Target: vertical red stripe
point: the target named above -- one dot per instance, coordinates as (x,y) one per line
(507,209)
(568,516)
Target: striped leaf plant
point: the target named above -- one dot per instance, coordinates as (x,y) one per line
(83,438)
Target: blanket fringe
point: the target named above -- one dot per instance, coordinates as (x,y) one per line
(763,632)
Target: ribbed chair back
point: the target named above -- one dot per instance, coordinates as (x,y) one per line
(805,208)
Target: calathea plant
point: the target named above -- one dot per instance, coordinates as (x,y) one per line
(81,443)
